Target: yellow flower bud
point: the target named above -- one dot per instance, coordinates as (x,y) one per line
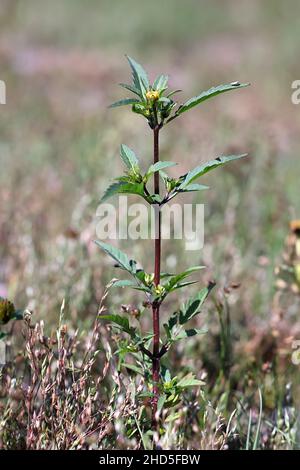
(152,95)
(7,310)
(159,290)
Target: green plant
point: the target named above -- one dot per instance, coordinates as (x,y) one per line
(159,108)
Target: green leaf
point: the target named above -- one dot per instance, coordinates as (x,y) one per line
(133,367)
(174,280)
(130,88)
(124,188)
(118,255)
(206,167)
(139,75)
(159,166)
(173,93)
(129,157)
(205,95)
(189,381)
(189,333)
(121,322)
(124,102)
(191,308)
(124,283)
(194,187)
(161,402)
(160,83)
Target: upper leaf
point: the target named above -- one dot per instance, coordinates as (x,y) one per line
(123,102)
(205,95)
(160,83)
(159,166)
(139,75)
(131,88)
(206,167)
(129,157)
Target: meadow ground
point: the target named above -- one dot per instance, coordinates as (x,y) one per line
(59,148)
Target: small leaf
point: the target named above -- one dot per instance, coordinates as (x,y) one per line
(129,157)
(205,95)
(133,367)
(124,188)
(160,83)
(159,166)
(130,88)
(120,257)
(124,102)
(121,322)
(194,187)
(173,93)
(189,333)
(191,308)
(179,277)
(161,402)
(206,167)
(124,283)
(189,381)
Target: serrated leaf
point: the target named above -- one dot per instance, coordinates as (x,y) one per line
(206,167)
(118,255)
(131,88)
(124,102)
(129,157)
(139,75)
(124,188)
(191,308)
(121,322)
(205,95)
(159,166)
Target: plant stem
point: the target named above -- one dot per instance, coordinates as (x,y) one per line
(155,306)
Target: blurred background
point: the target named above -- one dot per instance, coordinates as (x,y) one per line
(59,145)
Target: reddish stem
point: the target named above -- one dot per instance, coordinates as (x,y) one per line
(155,306)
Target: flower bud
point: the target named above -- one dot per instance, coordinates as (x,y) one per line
(7,310)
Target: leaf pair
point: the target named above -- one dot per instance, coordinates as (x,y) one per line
(133,182)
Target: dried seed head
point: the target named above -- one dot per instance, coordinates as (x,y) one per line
(7,310)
